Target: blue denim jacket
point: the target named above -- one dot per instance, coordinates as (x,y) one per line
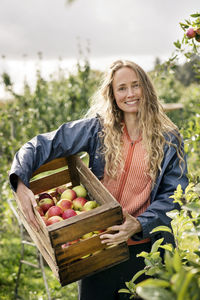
(82,135)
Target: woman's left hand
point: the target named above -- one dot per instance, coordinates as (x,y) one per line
(123,232)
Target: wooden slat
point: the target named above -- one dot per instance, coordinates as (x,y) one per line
(51,181)
(73,172)
(52,165)
(92,184)
(172,106)
(91,264)
(40,242)
(97,219)
(79,249)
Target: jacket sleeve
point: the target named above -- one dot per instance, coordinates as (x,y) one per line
(70,138)
(169,179)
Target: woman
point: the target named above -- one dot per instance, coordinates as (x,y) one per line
(137,153)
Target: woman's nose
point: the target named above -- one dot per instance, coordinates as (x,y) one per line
(130,92)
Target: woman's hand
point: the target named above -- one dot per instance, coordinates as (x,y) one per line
(123,232)
(27,201)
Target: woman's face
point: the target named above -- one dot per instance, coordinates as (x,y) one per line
(127,90)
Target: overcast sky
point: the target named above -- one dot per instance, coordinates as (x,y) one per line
(132,29)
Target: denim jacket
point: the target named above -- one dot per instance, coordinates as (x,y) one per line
(82,135)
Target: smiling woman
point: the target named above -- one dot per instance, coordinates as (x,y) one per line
(137,153)
(127,90)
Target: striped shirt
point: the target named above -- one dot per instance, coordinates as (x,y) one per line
(132,187)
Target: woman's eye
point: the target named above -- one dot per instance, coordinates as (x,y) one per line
(136,86)
(122,88)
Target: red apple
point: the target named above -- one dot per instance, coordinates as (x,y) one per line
(80,191)
(39,209)
(66,245)
(45,195)
(44,219)
(68,213)
(45,204)
(68,194)
(60,189)
(54,211)
(78,203)
(190,33)
(53,220)
(64,204)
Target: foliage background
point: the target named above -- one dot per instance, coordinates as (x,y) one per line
(62,99)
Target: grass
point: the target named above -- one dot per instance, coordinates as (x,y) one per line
(31,285)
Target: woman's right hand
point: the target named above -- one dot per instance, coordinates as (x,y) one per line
(27,202)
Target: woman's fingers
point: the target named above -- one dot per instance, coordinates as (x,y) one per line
(122,232)
(27,201)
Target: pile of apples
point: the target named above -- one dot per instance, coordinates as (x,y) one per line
(63,203)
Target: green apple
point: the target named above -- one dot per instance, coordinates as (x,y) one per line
(90,205)
(80,191)
(87,236)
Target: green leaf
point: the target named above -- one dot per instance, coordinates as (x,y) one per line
(143,254)
(177,44)
(154,282)
(138,274)
(161,228)
(156,245)
(177,261)
(195,15)
(168,247)
(154,293)
(124,291)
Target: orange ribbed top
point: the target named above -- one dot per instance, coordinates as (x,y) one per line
(132,187)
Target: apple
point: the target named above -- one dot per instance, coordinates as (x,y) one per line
(45,204)
(68,213)
(90,205)
(54,211)
(78,212)
(68,194)
(66,245)
(39,209)
(45,195)
(53,220)
(65,204)
(80,191)
(190,33)
(87,235)
(44,219)
(55,200)
(78,203)
(60,189)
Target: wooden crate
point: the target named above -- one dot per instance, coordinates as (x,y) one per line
(68,263)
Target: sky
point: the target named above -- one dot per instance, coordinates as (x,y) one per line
(111,29)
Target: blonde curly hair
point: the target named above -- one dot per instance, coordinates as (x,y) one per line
(153,122)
